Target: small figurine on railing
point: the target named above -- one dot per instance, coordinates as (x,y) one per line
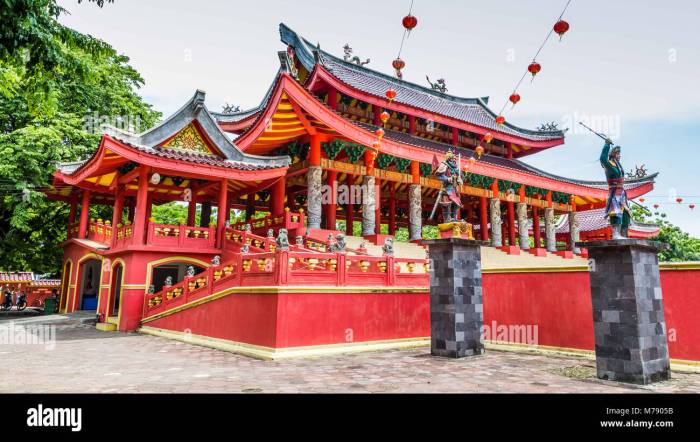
(339,245)
(190,271)
(151,289)
(363,247)
(248,229)
(216,260)
(282,239)
(299,240)
(270,233)
(245,248)
(168,281)
(388,247)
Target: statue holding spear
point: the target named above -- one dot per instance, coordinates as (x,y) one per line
(617,208)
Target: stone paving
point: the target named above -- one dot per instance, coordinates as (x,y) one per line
(86,360)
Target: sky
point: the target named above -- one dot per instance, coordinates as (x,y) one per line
(628,67)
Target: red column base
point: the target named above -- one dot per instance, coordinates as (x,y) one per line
(538,251)
(566,254)
(511,250)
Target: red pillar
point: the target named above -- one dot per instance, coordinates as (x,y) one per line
(221,212)
(509,152)
(511,223)
(84,214)
(315,151)
(411,125)
(331,207)
(192,212)
(378,210)
(415,172)
(484,218)
(250,207)
(149,206)
(277,197)
(377,112)
(72,211)
(141,211)
(455,136)
(536,226)
(117,214)
(392,209)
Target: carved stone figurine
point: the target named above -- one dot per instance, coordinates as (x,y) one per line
(168,281)
(151,289)
(282,240)
(190,271)
(439,85)
(216,260)
(347,50)
(245,248)
(299,240)
(270,233)
(339,245)
(388,247)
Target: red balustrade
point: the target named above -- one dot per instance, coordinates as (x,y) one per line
(180,236)
(289,220)
(100,231)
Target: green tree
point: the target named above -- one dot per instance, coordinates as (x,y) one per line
(54,82)
(683,247)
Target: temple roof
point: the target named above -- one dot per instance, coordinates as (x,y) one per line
(194,115)
(470,110)
(595,219)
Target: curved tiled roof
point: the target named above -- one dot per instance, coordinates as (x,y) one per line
(595,219)
(470,110)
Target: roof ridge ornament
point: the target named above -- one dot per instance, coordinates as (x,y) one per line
(438,86)
(348,57)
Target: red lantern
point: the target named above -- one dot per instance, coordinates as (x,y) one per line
(692,206)
(488,137)
(679,200)
(500,119)
(534,68)
(641,200)
(398,64)
(479,150)
(409,22)
(384,116)
(380,133)
(514,98)
(656,206)
(560,28)
(390,94)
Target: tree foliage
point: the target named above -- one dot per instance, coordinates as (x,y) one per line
(54,80)
(683,247)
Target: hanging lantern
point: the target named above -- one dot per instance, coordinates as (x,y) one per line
(641,200)
(560,28)
(409,22)
(692,206)
(500,119)
(398,64)
(488,137)
(380,133)
(656,206)
(384,116)
(514,98)
(390,94)
(534,68)
(479,150)
(679,200)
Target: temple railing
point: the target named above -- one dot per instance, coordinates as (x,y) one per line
(181,236)
(291,268)
(100,231)
(235,239)
(289,220)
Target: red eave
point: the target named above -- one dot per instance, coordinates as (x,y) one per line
(236,127)
(320,73)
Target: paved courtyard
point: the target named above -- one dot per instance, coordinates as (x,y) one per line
(85,360)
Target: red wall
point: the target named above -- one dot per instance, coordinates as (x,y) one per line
(681,292)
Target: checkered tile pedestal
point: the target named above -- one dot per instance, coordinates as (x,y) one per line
(628,311)
(456,302)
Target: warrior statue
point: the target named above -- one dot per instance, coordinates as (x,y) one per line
(617,208)
(449,199)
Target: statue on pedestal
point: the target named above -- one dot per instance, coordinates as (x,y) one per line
(449,199)
(617,209)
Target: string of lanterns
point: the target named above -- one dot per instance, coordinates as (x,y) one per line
(409,22)
(679,200)
(561,27)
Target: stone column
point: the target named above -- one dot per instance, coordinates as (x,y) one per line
(549,231)
(415,213)
(456,301)
(368,206)
(574,232)
(523,230)
(496,232)
(628,311)
(314,198)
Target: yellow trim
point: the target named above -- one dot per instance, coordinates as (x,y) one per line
(113,319)
(134,286)
(152,264)
(689,265)
(67,281)
(269,353)
(552,269)
(84,258)
(121,289)
(285,290)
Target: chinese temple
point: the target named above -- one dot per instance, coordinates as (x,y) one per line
(276,282)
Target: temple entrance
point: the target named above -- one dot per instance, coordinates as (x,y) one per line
(89,284)
(176,271)
(116,291)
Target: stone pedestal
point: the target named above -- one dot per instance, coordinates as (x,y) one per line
(628,312)
(456,302)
